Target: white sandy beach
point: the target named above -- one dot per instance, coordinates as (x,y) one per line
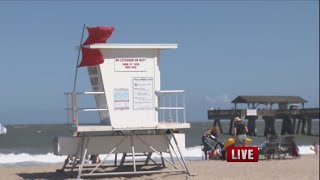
(305,167)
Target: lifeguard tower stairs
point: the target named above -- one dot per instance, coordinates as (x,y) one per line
(136,116)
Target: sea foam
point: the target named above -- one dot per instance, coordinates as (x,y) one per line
(192,153)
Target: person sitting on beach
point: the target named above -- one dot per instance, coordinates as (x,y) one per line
(240,132)
(94,158)
(221,152)
(210,133)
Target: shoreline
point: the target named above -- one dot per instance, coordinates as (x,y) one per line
(305,167)
(48,159)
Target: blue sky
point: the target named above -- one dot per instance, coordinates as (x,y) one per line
(225,49)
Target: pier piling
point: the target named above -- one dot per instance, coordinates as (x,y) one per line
(231,126)
(218,123)
(286,126)
(303,128)
(252,126)
(298,126)
(309,124)
(269,126)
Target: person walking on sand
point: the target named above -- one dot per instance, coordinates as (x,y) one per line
(240,132)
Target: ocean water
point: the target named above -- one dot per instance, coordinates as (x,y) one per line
(32,144)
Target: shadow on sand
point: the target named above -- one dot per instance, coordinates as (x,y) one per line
(61,175)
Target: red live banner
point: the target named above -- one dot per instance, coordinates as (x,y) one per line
(242,154)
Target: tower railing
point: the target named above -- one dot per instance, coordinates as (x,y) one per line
(72,106)
(171,106)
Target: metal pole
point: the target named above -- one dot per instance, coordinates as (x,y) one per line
(65,163)
(156,152)
(68,113)
(75,118)
(184,108)
(109,154)
(135,173)
(170,116)
(83,157)
(171,156)
(132,148)
(174,149)
(79,149)
(185,166)
(177,119)
(163,106)
(75,76)
(115,159)
(82,163)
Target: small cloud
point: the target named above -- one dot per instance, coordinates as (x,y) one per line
(222,100)
(225,98)
(209,99)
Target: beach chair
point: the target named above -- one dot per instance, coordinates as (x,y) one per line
(271,146)
(286,146)
(210,144)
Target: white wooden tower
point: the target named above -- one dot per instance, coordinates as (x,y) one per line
(128,93)
(129,100)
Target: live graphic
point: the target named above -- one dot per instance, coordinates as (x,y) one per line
(242,154)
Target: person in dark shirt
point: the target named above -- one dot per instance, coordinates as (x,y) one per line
(240,132)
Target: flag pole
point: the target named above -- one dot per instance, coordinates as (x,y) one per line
(75,76)
(74,100)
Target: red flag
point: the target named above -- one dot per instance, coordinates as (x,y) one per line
(98,35)
(92,57)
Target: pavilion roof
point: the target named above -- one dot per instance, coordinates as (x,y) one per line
(269,99)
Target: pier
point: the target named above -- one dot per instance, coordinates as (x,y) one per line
(294,120)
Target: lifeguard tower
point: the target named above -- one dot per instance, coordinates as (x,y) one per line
(137,117)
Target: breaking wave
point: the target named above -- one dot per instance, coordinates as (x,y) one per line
(192,153)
